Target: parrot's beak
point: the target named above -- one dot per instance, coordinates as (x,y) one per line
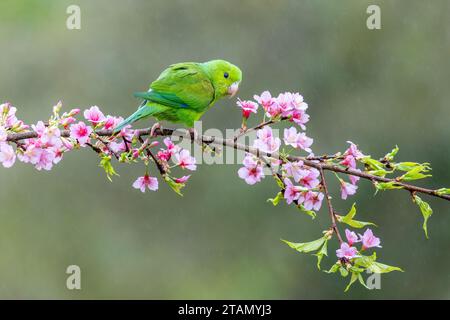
(233,89)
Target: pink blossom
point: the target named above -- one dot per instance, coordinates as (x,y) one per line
(298,103)
(80,132)
(31,154)
(252,172)
(297,140)
(300,118)
(291,192)
(273,111)
(269,146)
(346,251)
(247,107)
(285,103)
(117,147)
(45,159)
(94,115)
(58,155)
(19,126)
(266,142)
(295,170)
(4,108)
(7,155)
(8,112)
(3,134)
(349,161)
(146,182)
(65,122)
(51,137)
(354,179)
(66,143)
(135,153)
(290,137)
(265,134)
(303,142)
(39,128)
(251,175)
(249,161)
(171,147)
(347,189)
(164,155)
(369,240)
(313,200)
(183,179)
(184,160)
(111,122)
(128,133)
(268,103)
(74,112)
(310,180)
(353,151)
(351,237)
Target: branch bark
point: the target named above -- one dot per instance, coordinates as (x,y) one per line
(16,137)
(330,206)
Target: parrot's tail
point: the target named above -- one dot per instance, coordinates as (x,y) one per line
(140,113)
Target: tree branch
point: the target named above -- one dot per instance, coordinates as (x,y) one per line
(330,207)
(15,137)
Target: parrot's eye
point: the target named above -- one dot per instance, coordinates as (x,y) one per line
(225,75)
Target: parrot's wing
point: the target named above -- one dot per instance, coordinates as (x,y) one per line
(170,100)
(183,85)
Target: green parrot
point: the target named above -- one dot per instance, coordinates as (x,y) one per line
(185,91)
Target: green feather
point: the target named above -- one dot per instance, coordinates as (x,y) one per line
(185,91)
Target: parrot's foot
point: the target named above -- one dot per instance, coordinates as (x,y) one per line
(154,128)
(193,133)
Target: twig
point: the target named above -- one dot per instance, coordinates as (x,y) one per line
(145,147)
(330,206)
(259,126)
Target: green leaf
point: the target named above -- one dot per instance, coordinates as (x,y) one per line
(310,213)
(348,219)
(105,163)
(307,246)
(343,271)
(352,280)
(322,252)
(334,268)
(361,280)
(443,191)
(377,267)
(379,173)
(365,261)
(387,186)
(390,156)
(426,212)
(368,262)
(356,269)
(174,185)
(407,166)
(372,164)
(277,199)
(415,173)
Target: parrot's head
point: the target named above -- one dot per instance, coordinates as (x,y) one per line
(224,76)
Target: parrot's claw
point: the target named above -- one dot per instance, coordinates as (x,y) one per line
(193,133)
(154,128)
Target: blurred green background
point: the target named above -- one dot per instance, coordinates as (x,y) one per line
(221,240)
